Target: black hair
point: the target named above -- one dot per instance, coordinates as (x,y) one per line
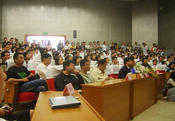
(101,62)
(155,60)
(15,56)
(67,57)
(144,59)
(75,58)
(86,57)
(83,62)
(3,53)
(17,49)
(97,57)
(74,53)
(113,58)
(45,56)
(67,63)
(57,58)
(26,53)
(169,66)
(127,59)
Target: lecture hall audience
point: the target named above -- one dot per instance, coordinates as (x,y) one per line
(78,63)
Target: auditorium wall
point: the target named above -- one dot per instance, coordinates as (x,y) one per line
(145,22)
(93,19)
(167,24)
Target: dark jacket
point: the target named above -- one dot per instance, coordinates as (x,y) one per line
(123,72)
(62,80)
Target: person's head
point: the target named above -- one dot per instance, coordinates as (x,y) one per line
(68,57)
(19,50)
(171,65)
(155,62)
(87,57)
(5,55)
(85,65)
(27,55)
(76,60)
(145,61)
(18,58)
(107,60)
(93,57)
(129,61)
(102,65)
(7,47)
(69,66)
(76,53)
(160,58)
(59,60)
(114,60)
(46,59)
(98,57)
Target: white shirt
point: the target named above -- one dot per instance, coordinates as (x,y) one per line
(98,75)
(41,70)
(104,47)
(33,63)
(114,69)
(82,54)
(78,67)
(145,48)
(120,60)
(10,63)
(53,71)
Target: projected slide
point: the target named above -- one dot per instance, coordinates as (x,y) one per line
(46,40)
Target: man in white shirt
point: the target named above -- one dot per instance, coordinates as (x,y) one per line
(41,69)
(114,67)
(98,73)
(104,46)
(155,66)
(145,49)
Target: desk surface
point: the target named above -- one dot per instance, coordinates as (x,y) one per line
(43,112)
(105,83)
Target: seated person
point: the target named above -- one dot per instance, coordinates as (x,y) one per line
(27,81)
(5,55)
(77,60)
(41,69)
(67,77)
(155,66)
(8,114)
(145,63)
(93,60)
(114,67)
(54,70)
(98,73)
(171,87)
(27,58)
(128,65)
(10,62)
(171,67)
(85,67)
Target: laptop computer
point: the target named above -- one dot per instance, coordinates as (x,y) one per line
(64,102)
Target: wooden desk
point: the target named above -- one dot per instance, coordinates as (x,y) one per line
(110,98)
(119,100)
(143,95)
(43,112)
(160,83)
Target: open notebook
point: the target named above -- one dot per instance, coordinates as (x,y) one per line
(64,102)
